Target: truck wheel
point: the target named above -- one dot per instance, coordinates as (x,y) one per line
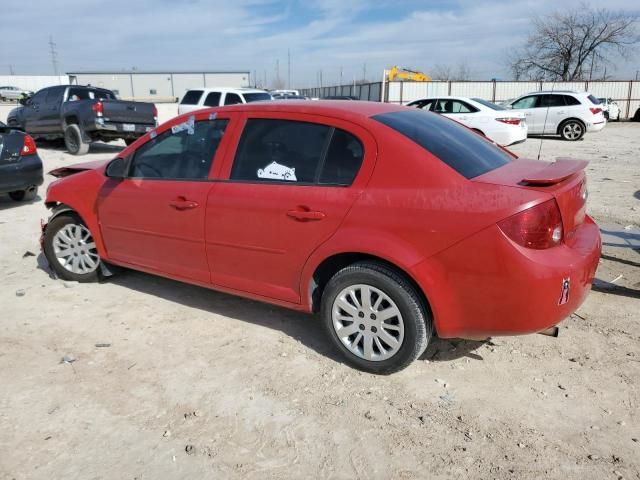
(74,141)
(24,195)
(129,141)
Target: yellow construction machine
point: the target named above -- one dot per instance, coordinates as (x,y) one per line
(404,74)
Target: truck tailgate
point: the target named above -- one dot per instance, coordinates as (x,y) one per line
(118,111)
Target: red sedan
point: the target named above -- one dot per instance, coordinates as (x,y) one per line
(395,224)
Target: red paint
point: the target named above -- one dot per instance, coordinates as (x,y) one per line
(265,241)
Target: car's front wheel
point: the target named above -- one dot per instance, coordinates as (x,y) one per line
(572,130)
(375,317)
(71,249)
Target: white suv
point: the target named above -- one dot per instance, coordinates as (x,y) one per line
(566,113)
(198,98)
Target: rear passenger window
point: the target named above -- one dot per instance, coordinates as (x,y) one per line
(212,100)
(280,150)
(569,100)
(232,99)
(192,97)
(184,152)
(552,101)
(343,160)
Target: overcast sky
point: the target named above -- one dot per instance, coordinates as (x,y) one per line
(253,34)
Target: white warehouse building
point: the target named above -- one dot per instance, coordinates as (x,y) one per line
(158,85)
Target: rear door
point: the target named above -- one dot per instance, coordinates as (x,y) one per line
(289,183)
(154,218)
(528,106)
(457,110)
(553,110)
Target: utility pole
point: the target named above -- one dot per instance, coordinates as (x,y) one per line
(341,73)
(637,73)
(288,68)
(364,72)
(277,73)
(11,71)
(54,55)
(320,78)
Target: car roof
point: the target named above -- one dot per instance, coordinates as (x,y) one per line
(331,108)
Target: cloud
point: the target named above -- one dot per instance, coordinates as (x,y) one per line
(327,35)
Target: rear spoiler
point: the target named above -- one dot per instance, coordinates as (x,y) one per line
(554,172)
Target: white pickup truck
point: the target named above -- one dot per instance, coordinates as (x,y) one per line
(198,98)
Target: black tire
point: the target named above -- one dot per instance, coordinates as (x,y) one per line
(415,315)
(74,141)
(129,141)
(572,130)
(54,227)
(606,116)
(24,195)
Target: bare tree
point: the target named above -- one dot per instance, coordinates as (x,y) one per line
(447,72)
(574,44)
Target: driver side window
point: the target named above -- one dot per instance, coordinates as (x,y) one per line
(184,152)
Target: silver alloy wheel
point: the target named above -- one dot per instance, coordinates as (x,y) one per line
(368,322)
(572,130)
(75,249)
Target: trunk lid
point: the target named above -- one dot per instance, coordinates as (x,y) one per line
(565,179)
(119,111)
(11,143)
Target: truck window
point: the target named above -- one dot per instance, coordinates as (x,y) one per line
(75,94)
(232,99)
(192,97)
(213,99)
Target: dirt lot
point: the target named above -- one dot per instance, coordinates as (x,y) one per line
(199,384)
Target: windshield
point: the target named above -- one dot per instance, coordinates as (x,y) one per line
(488,104)
(256,97)
(462,149)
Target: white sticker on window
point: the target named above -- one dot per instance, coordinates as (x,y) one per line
(275,171)
(213,115)
(189,126)
(153,134)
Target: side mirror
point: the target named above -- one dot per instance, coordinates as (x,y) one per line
(117,168)
(25,101)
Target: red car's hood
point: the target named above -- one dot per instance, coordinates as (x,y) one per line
(78,167)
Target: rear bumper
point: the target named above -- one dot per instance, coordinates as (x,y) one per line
(121,130)
(507,289)
(510,136)
(21,175)
(596,127)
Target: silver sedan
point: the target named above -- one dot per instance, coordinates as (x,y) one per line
(13,93)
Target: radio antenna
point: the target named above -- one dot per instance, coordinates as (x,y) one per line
(546,115)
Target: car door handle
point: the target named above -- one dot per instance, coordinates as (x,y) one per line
(304,214)
(182,203)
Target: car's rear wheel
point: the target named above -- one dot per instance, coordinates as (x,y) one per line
(375,317)
(572,130)
(74,141)
(606,116)
(24,195)
(129,141)
(71,249)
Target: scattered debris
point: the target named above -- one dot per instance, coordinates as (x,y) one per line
(191,414)
(190,449)
(68,359)
(103,345)
(48,437)
(53,410)
(28,253)
(593,457)
(131,366)
(368,415)
(69,284)
(167,433)
(521,445)
(20,293)
(616,279)
(440,381)
(283,354)
(561,387)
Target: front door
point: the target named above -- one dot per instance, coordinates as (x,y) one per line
(528,106)
(155,217)
(288,186)
(32,115)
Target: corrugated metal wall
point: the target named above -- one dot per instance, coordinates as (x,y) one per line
(625,92)
(32,82)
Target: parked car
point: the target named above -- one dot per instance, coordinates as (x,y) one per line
(493,121)
(13,93)
(289,97)
(566,113)
(20,165)
(213,97)
(610,109)
(394,223)
(295,93)
(636,116)
(81,115)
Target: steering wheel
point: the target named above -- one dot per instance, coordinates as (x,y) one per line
(145,166)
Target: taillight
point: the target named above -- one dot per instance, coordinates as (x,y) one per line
(595,111)
(29,146)
(155,114)
(537,227)
(510,121)
(98,107)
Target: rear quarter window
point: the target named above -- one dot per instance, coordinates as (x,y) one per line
(594,100)
(463,150)
(192,97)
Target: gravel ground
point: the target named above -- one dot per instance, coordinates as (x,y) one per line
(195,383)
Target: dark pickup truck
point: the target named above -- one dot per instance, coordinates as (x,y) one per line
(81,115)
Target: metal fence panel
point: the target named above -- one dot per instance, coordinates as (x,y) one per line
(473,89)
